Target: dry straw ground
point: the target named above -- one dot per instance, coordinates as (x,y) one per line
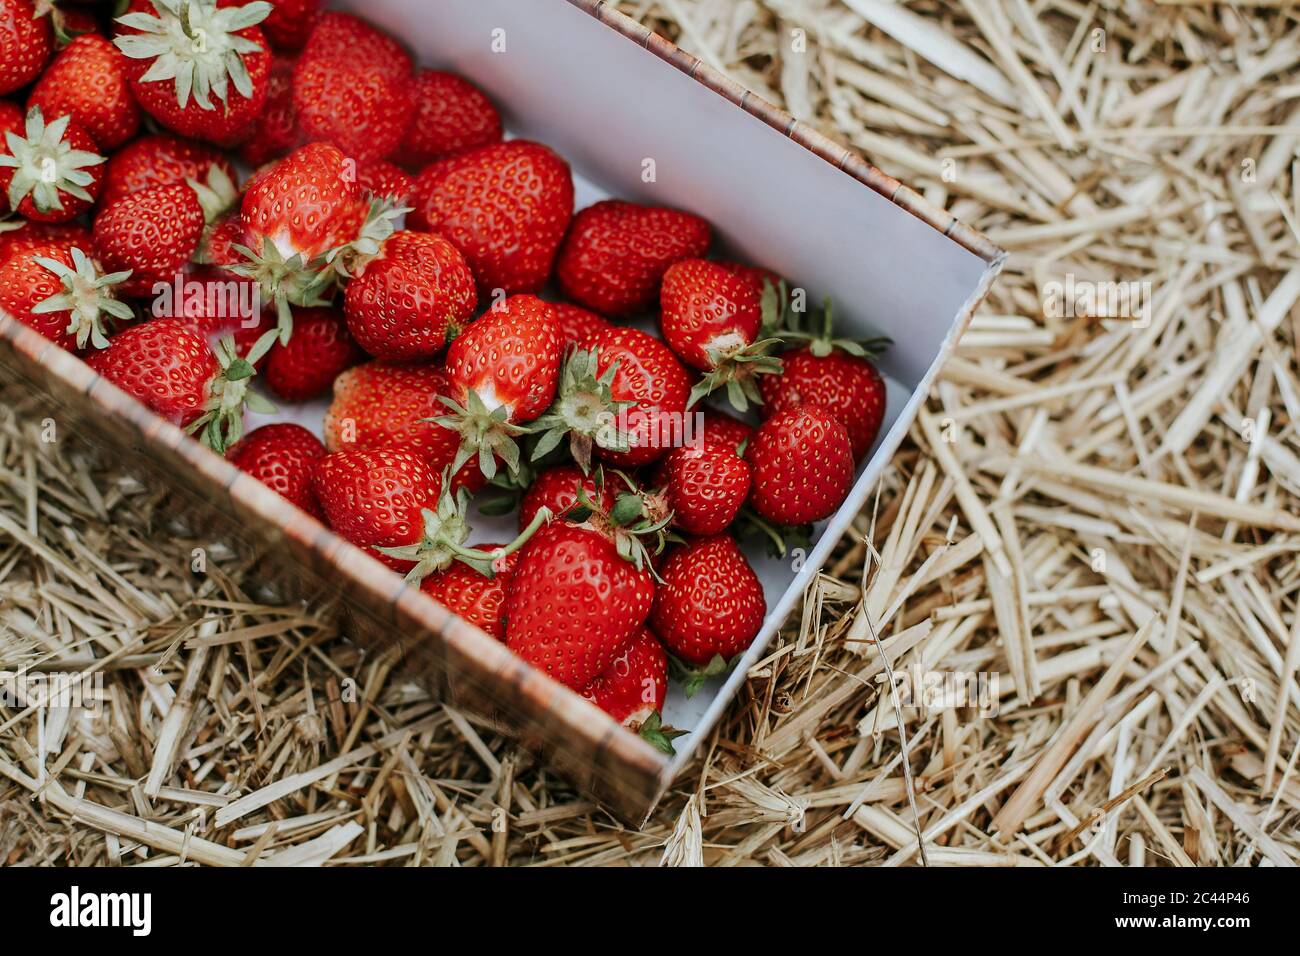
(1105,512)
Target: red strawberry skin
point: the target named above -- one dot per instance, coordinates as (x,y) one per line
(706,488)
(506,206)
(362,107)
(617,252)
(470,595)
(383,180)
(705,305)
(163,363)
(26,42)
(216,304)
(557,488)
(276,131)
(847,386)
(373,498)
(32,236)
(319,350)
(573,604)
(25,284)
(290,23)
(76,138)
(709,602)
(635,685)
(451,114)
(306,204)
(578,325)
(802,465)
(282,456)
(343,35)
(511,356)
(650,376)
(88,79)
(403,304)
(153,233)
(160,160)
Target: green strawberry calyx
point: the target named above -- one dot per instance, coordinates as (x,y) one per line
(779,540)
(821,341)
(736,362)
(287,281)
(380,223)
(693,678)
(627,524)
(229,393)
(87,297)
(585,411)
(217,193)
(195,44)
(485,433)
(46,166)
(658,734)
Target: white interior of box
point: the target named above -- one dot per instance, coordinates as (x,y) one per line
(607,106)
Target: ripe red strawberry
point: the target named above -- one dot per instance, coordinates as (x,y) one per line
(26,42)
(633,688)
(50,173)
(578,325)
(199,67)
(152,233)
(289,24)
(318,353)
(709,605)
(470,594)
(282,456)
(557,489)
(451,114)
(711,430)
(57,290)
(360,106)
(406,301)
(276,132)
(160,160)
(503,370)
(216,304)
(383,180)
(168,366)
(88,80)
(705,488)
(574,603)
(802,465)
(712,318)
(617,252)
(506,206)
(26,237)
(847,386)
(343,35)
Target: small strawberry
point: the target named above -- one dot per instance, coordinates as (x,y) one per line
(712,318)
(50,173)
(633,688)
(358,105)
(23,237)
(275,133)
(318,353)
(711,430)
(187,53)
(802,465)
(290,22)
(282,456)
(58,291)
(88,80)
(160,160)
(410,298)
(451,114)
(503,370)
(705,488)
(382,180)
(151,233)
(617,253)
(506,206)
(557,489)
(578,325)
(709,606)
(168,366)
(26,42)
(470,594)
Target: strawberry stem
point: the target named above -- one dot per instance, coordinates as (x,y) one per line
(660,736)
(87,297)
(488,434)
(584,411)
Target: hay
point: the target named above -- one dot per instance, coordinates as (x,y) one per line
(1102,512)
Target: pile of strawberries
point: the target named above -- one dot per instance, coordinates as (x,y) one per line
(391,246)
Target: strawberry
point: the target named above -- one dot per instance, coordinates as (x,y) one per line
(275,132)
(626,395)
(57,290)
(51,173)
(575,602)
(705,488)
(26,42)
(290,22)
(215,304)
(343,35)
(88,80)
(578,325)
(451,114)
(184,54)
(414,294)
(503,370)
(617,252)
(151,233)
(709,605)
(506,206)
(557,489)
(161,160)
(168,366)
(359,105)
(25,237)
(712,318)
(383,180)
(282,456)
(633,688)
(318,353)
(802,465)
(711,430)
(471,595)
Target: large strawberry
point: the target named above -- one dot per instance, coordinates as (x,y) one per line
(57,290)
(318,353)
(88,80)
(633,688)
(705,488)
(410,298)
(160,160)
(151,233)
(617,253)
(199,67)
(283,457)
(169,367)
(50,172)
(26,42)
(362,106)
(451,114)
(477,597)
(506,206)
(802,465)
(712,318)
(503,370)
